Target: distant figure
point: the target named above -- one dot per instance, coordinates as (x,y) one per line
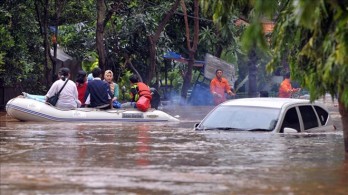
(285,88)
(218,87)
(98,93)
(140,93)
(68,97)
(81,85)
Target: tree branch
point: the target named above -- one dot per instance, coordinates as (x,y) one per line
(186,24)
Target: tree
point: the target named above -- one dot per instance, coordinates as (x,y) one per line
(101,9)
(191,48)
(225,13)
(313,35)
(42,14)
(153,39)
(318,49)
(22,56)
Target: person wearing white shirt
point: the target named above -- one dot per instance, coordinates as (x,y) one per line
(68,97)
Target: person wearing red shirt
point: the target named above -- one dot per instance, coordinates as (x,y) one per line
(218,87)
(285,88)
(81,84)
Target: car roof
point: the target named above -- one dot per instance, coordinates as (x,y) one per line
(268,102)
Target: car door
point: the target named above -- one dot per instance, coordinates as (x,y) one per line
(325,122)
(291,120)
(309,118)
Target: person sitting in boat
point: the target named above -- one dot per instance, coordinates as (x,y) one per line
(108,77)
(68,97)
(81,84)
(140,95)
(156,98)
(98,94)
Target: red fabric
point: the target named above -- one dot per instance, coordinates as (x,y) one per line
(284,89)
(144,90)
(219,87)
(81,90)
(143,104)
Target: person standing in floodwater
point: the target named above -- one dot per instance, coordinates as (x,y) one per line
(285,88)
(218,86)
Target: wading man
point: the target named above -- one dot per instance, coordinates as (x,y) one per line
(218,86)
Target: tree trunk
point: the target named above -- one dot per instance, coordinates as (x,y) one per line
(152,52)
(188,76)
(219,50)
(59,4)
(252,74)
(101,11)
(47,68)
(192,49)
(153,39)
(344,117)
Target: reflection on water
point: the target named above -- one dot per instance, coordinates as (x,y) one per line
(85,158)
(166,158)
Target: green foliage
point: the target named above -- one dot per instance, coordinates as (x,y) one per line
(1,60)
(221,10)
(20,47)
(255,30)
(78,40)
(124,81)
(89,65)
(22,52)
(175,79)
(313,36)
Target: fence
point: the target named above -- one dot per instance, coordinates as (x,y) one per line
(7,93)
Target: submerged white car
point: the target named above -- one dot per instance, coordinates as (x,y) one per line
(268,114)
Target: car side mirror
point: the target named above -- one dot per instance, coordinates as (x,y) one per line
(195,126)
(290,130)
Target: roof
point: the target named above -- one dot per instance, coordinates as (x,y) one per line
(177,57)
(264,102)
(61,55)
(267,25)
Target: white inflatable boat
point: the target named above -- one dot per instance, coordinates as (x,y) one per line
(26,109)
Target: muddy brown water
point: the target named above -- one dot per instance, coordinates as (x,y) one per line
(167,158)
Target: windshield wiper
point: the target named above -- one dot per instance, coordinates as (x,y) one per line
(258,129)
(221,128)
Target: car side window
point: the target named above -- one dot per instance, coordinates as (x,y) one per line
(322,114)
(308,116)
(291,120)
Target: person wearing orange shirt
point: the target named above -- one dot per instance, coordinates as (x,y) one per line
(285,88)
(218,87)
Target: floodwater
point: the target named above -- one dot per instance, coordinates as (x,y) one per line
(167,158)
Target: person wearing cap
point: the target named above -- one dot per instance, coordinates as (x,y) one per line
(68,97)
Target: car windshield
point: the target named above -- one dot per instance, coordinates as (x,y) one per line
(241,118)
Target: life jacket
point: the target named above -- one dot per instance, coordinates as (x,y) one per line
(143,90)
